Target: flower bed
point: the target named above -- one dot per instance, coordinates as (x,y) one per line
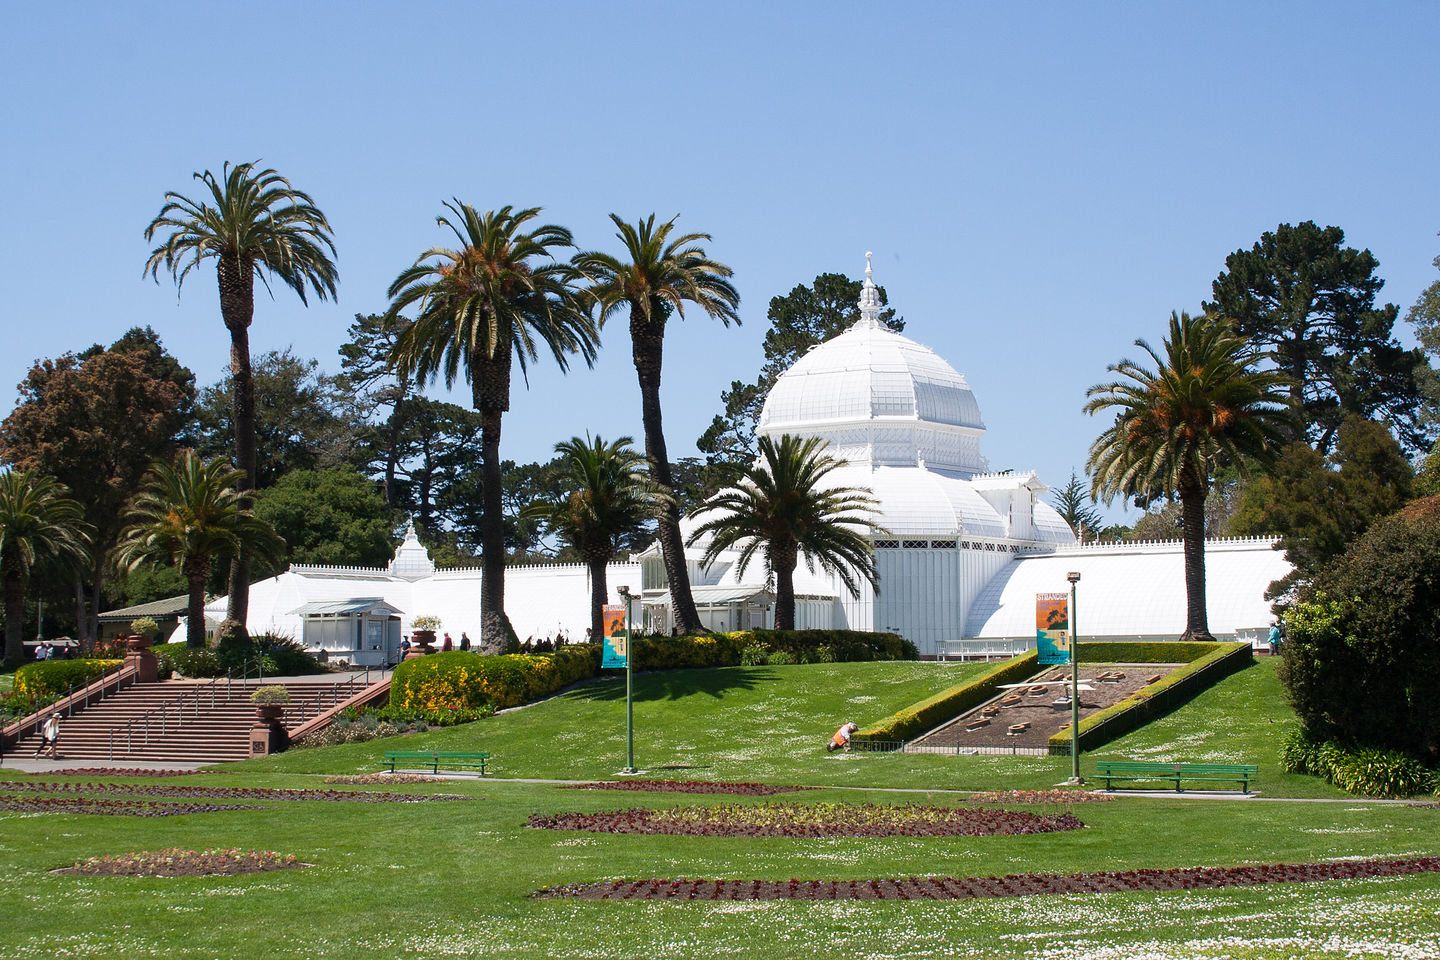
(129,772)
(686,786)
(367,778)
(224,793)
(175,862)
(1013,885)
(104,806)
(812,820)
(1057,797)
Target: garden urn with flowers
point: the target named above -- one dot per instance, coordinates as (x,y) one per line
(142,633)
(422,635)
(270,702)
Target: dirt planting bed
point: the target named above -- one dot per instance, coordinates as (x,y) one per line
(813,820)
(1013,885)
(687,786)
(220,793)
(1037,707)
(105,806)
(184,863)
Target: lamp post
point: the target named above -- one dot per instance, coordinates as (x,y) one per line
(1074,578)
(624,591)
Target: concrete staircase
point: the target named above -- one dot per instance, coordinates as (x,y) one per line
(185,721)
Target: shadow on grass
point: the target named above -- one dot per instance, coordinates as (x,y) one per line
(674,684)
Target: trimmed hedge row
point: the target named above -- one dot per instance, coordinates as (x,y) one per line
(51,678)
(949,704)
(1208,664)
(654,652)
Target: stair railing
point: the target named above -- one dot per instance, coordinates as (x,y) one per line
(212,685)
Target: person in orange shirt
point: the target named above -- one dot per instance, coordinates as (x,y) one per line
(841,740)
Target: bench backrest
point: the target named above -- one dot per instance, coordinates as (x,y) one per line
(1155,766)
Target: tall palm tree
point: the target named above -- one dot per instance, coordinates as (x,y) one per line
(784,506)
(189,513)
(252,224)
(498,298)
(605,497)
(1204,405)
(662,274)
(40,527)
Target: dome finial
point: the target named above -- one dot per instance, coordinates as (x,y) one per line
(869,297)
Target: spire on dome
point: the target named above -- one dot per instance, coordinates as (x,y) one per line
(869,298)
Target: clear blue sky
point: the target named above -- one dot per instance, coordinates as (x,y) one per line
(1041,183)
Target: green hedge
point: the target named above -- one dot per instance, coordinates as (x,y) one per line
(279,656)
(949,704)
(1207,664)
(460,680)
(51,678)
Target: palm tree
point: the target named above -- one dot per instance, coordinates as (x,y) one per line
(662,274)
(605,498)
(784,505)
(40,527)
(1203,406)
(189,513)
(253,224)
(497,298)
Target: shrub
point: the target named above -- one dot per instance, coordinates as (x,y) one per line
(752,656)
(780,658)
(1359,659)
(464,681)
(279,655)
(270,695)
(181,659)
(49,679)
(1299,753)
(1380,773)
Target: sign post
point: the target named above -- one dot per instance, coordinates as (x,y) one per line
(1074,578)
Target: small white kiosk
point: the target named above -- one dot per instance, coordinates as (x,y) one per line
(365,630)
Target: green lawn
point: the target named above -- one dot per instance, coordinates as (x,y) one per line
(442,880)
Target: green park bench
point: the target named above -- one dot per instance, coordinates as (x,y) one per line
(1112,770)
(433,758)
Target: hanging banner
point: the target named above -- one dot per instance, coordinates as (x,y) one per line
(617,636)
(1052,628)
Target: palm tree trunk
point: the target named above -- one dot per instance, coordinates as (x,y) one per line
(14,619)
(648,342)
(782,562)
(490,391)
(89,629)
(197,571)
(80,606)
(237,308)
(599,594)
(1192,518)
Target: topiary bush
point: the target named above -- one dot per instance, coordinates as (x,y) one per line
(1359,659)
(49,679)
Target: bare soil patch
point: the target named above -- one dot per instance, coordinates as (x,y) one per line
(1029,716)
(1012,885)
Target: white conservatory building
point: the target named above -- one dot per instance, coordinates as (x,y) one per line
(964,552)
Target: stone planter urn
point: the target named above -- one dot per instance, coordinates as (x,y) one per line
(421,643)
(269,711)
(139,641)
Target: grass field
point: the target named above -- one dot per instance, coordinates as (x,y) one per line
(453,879)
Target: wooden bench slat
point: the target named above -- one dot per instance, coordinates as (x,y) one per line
(1112,770)
(466,758)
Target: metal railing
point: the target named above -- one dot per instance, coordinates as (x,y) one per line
(161,715)
(95,687)
(336,694)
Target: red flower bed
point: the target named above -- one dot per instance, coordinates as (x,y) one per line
(1013,885)
(222,793)
(109,807)
(127,772)
(184,863)
(687,786)
(812,820)
(1055,797)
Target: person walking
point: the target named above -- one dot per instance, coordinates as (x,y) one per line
(464,641)
(49,736)
(1274,639)
(448,645)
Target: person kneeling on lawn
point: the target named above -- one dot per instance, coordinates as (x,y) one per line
(841,740)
